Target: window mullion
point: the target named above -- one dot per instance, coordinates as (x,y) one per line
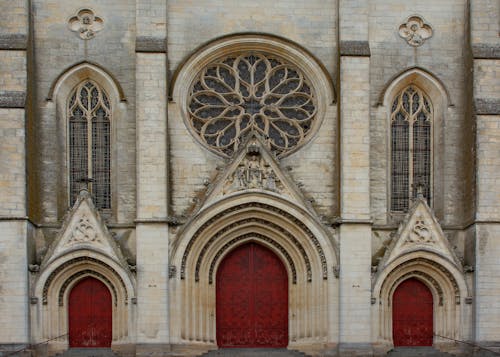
(89,149)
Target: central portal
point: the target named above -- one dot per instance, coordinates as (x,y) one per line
(252,299)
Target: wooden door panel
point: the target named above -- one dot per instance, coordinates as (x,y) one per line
(252,299)
(89,311)
(412,314)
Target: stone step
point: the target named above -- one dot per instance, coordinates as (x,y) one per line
(254,352)
(417,352)
(88,352)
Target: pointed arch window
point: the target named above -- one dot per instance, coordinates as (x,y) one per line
(89,114)
(411,147)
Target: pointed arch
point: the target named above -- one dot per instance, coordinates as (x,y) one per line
(423,78)
(446,283)
(54,284)
(416,139)
(78,72)
(288,231)
(93,131)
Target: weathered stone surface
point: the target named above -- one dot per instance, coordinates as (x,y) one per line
(12,99)
(13,41)
(487,106)
(150,44)
(355,48)
(485,51)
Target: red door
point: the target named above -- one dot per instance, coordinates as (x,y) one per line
(90,314)
(252,299)
(412,314)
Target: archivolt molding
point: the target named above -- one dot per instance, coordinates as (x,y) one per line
(421,77)
(56,280)
(76,261)
(443,279)
(78,72)
(422,276)
(419,264)
(84,273)
(245,42)
(285,129)
(250,236)
(249,221)
(439,269)
(279,225)
(259,206)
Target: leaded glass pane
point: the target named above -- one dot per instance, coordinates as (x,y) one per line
(411,150)
(89,144)
(257,92)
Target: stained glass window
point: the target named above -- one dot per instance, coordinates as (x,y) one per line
(411,148)
(89,114)
(259,92)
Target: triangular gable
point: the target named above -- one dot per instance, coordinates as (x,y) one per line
(83,229)
(420,230)
(253,168)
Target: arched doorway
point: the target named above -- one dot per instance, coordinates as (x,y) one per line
(90,314)
(252,299)
(412,314)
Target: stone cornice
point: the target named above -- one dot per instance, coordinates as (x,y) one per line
(12,99)
(150,44)
(14,41)
(486,51)
(355,48)
(487,106)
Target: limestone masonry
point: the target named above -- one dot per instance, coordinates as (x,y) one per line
(181,176)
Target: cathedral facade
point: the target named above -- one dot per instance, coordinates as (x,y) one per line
(181,176)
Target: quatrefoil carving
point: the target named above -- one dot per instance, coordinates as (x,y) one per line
(415,31)
(86,24)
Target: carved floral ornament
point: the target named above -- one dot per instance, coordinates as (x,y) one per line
(86,24)
(415,31)
(251,92)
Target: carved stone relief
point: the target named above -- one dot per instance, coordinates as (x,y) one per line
(252,172)
(86,24)
(83,232)
(420,232)
(415,31)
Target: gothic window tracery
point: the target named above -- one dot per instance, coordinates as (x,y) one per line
(411,148)
(240,93)
(89,113)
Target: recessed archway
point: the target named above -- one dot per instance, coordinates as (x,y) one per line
(252,299)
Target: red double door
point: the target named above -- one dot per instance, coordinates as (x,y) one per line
(252,299)
(90,323)
(412,314)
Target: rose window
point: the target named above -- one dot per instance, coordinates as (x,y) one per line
(253,92)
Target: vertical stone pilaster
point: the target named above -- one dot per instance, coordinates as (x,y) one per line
(486,88)
(355,229)
(14,292)
(152,229)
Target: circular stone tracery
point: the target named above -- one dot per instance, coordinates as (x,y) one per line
(238,94)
